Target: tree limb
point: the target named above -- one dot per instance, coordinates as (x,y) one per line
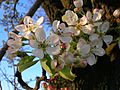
(21,82)
(31,12)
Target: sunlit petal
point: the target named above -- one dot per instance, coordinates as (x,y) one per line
(83,20)
(21,28)
(78,3)
(27,20)
(70,17)
(55,25)
(39,21)
(88,29)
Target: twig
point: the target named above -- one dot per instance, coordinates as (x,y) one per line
(21,82)
(38,80)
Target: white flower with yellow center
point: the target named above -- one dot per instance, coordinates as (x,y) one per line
(42,45)
(70,17)
(28,26)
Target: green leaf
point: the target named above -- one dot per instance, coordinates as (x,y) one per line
(67,73)
(26,62)
(46,64)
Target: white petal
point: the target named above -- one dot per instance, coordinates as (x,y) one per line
(88,29)
(66,39)
(78,3)
(26,34)
(39,21)
(61,26)
(98,43)
(33,43)
(83,20)
(14,36)
(91,60)
(107,39)
(38,53)
(55,25)
(52,39)
(85,49)
(104,27)
(21,28)
(93,37)
(27,20)
(116,13)
(10,42)
(40,34)
(80,43)
(99,51)
(70,17)
(89,15)
(97,16)
(53,50)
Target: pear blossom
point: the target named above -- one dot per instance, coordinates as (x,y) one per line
(103,28)
(91,17)
(70,17)
(28,26)
(50,44)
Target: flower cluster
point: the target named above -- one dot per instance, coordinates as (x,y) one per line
(75,42)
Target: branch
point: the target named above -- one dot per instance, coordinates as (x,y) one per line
(21,82)
(38,80)
(25,85)
(31,12)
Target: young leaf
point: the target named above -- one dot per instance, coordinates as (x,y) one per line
(46,64)
(67,73)
(26,62)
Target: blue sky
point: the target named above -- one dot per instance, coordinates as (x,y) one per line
(33,71)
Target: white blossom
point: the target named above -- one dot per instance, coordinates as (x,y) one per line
(70,17)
